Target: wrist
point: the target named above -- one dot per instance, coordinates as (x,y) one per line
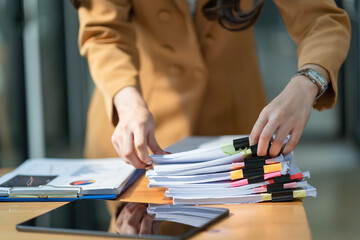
(128,98)
(308,89)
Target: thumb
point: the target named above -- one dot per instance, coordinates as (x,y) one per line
(154,146)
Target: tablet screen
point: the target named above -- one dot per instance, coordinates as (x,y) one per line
(125,219)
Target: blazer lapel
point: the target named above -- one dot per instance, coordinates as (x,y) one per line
(203,26)
(200,24)
(183,7)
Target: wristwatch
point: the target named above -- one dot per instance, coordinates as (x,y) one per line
(316,78)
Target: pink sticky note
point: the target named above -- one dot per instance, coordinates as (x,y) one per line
(290,185)
(261,189)
(272,175)
(237,165)
(269,161)
(239,183)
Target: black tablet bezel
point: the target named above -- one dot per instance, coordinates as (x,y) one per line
(25,228)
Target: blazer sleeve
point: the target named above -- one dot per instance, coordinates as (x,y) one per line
(322,32)
(107,40)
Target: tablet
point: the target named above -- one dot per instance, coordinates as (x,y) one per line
(125,219)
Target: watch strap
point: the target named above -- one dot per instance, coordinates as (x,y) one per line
(316,78)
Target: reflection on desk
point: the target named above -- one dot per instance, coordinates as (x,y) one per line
(90,217)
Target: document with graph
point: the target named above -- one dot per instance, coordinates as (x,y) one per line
(63,179)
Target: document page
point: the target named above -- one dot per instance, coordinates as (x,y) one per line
(100,176)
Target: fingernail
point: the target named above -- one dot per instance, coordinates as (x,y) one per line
(148,167)
(149,161)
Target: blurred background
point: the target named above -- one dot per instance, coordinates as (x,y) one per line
(45,88)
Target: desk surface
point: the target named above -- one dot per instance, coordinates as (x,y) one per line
(285,220)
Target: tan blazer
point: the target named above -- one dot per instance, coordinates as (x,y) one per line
(196,77)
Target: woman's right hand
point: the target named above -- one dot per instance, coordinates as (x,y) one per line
(135,131)
(134,219)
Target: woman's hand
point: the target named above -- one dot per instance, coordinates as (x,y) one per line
(133,219)
(287,114)
(135,131)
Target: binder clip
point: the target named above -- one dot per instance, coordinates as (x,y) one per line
(254,150)
(255,162)
(282,196)
(275,187)
(256,179)
(282,179)
(241,143)
(253,172)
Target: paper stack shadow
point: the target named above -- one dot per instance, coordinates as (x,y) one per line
(229,173)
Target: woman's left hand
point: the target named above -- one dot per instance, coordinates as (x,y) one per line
(287,114)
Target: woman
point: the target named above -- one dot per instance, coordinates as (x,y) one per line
(162,74)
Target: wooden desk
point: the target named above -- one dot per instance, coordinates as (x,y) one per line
(246,221)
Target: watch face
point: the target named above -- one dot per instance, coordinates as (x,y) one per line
(317,77)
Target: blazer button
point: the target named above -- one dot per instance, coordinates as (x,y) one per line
(164,15)
(168,48)
(175,71)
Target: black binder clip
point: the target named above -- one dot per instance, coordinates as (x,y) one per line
(275,187)
(254,150)
(253,172)
(254,162)
(256,179)
(282,196)
(282,179)
(241,143)
(256,158)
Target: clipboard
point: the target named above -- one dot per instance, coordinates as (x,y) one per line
(65,192)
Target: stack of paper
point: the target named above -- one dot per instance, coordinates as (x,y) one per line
(188,215)
(229,173)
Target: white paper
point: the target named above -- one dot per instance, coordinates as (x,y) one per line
(253,198)
(217,191)
(173,168)
(189,215)
(228,199)
(4,192)
(197,155)
(222,184)
(209,149)
(202,178)
(202,170)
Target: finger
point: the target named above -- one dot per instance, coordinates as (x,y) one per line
(146,224)
(117,148)
(279,140)
(115,138)
(128,151)
(125,213)
(132,206)
(116,142)
(294,139)
(154,146)
(135,219)
(265,138)
(140,142)
(118,223)
(257,129)
(129,229)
